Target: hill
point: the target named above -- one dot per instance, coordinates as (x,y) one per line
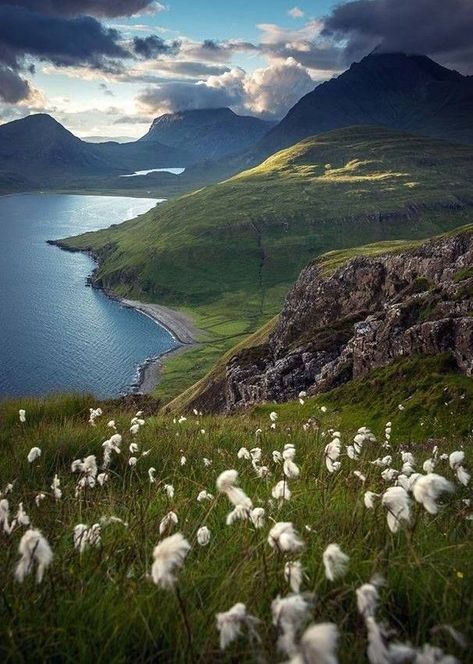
(97,600)
(410,93)
(207,134)
(38,152)
(229,252)
(351,315)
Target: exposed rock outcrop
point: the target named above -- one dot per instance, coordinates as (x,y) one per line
(364,315)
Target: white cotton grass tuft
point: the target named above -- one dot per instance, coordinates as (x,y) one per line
(169,489)
(231,622)
(22,415)
(167,522)
(367,597)
(244,453)
(284,537)
(293,574)
(34,454)
(335,562)
(281,491)
(257,517)
(369,499)
(227,483)
(152,475)
(169,556)
(397,503)
(84,536)
(203,536)
(204,495)
(332,454)
(34,549)
(456,464)
(56,488)
(318,645)
(428,488)
(290,615)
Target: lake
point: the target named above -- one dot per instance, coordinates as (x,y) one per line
(56,334)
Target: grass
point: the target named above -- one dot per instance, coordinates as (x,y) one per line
(228,253)
(101,606)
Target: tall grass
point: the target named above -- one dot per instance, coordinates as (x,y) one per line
(101,606)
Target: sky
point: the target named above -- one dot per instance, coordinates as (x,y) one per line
(109,67)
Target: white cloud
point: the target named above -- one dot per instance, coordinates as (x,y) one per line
(295,12)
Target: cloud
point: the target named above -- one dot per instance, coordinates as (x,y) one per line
(440,29)
(13,88)
(152,46)
(295,12)
(99,8)
(82,40)
(267,92)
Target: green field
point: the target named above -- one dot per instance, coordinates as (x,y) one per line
(101,605)
(228,253)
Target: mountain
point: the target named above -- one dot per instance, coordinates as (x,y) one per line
(230,252)
(107,139)
(411,93)
(207,133)
(348,315)
(37,151)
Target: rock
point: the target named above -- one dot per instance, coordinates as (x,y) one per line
(367,314)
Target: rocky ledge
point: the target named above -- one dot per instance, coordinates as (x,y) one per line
(366,314)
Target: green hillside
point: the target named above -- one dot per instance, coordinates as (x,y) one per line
(100,604)
(228,253)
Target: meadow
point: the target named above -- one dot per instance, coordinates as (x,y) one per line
(310,475)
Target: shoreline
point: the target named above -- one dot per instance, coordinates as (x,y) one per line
(177,324)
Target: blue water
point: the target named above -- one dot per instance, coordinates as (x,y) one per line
(56,334)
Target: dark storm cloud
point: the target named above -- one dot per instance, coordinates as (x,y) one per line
(13,88)
(438,28)
(152,46)
(101,8)
(76,41)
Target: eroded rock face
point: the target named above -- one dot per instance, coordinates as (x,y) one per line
(368,313)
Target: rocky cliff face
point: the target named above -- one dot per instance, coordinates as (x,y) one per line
(365,315)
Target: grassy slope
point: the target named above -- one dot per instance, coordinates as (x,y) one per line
(228,253)
(102,607)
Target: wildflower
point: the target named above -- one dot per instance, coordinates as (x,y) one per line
(285,538)
(207,462)
(137,420)
(39,498)
(230,623)
(428,466)
(369,499)
(281,491)
(85,536)
(293,574)
(257,516)
(167,522)
(5,515)
(323,409)
(227,483)
(352,453)
(132,461)
(33,548)
(204,495)
(134,429)
(332,453)
(428,488)
(277,456)
(183,460)
(133,448)
(290,614)
(55,486)
(255,454)
(318,645)
(169,556)
(456,463)
(102,478)
(243,453)
(22,415)
(367,597)
(389,474)
(397,503)
(94,413)
(88,466)
(21,516)
(401,407)
(290,469)
(34,454)
(239,513)
(262,471)
(182,419)
(360,475)
(152,475)
(169,489)
(203,536)
(335,562)
(273,416)
(111,424)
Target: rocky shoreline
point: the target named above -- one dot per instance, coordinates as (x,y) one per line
(179,326)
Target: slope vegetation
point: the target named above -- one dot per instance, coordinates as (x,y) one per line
(229,252)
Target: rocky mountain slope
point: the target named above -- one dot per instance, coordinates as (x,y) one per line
(345,318)
(207,134)
(407,92)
